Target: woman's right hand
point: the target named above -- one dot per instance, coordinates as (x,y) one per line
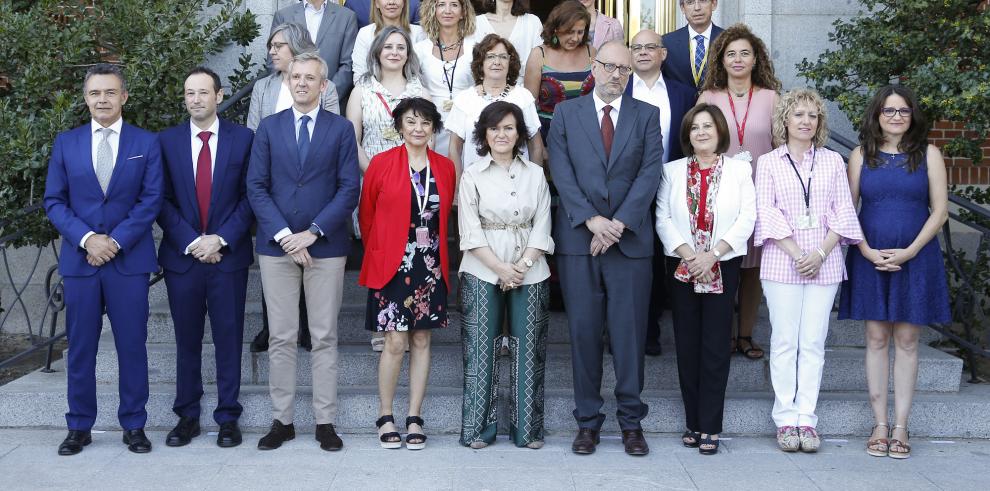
(877,258)
(508,277)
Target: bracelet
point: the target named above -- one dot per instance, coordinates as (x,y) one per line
(822,253)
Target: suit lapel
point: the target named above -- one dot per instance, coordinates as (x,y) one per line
(288,128)
(588,117)
(324,24)
(86,142)
(123,152)
(219,168)
(316,141)
(187,178)
(627,118)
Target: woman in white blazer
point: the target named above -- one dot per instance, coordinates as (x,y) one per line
(706,211)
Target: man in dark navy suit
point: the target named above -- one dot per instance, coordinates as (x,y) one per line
(674,99)
(205,252)
(103,192)
(688,47)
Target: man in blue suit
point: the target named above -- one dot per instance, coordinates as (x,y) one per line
(362,8)
(674,99)
(605,157)
(205,251)
(303,184)
(103,192)
(688,47)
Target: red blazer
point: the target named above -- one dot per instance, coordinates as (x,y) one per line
(385,210)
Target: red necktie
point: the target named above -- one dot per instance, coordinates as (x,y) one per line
(608,130)
(204,179)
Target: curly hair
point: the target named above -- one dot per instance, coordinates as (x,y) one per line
(565,15)
(762,75)
(914,142)
(785,107)
(487,44)
(431,26)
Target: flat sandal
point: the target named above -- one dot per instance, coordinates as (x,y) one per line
(878,447)
(392,439)
(894,454)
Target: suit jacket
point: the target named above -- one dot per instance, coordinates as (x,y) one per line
(734,210)
(385,211)
(362,8)
(334,40)
(229,214)
(323,190)
(677,66)
(265,95)
(623,186)
(76,205)
(681,98)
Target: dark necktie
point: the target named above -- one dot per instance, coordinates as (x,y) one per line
(608,130)
(303,138)
(204,178)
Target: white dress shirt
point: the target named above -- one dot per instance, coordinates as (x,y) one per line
(197,146)
(314,18)
(114,141)
(297,119)
(284,100)
(600,111)
(657,96)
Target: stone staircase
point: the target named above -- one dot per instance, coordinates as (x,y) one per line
(944,406)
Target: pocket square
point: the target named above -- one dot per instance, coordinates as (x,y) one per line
(135,157)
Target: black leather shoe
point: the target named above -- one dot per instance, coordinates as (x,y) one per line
(260,342)
(277,435)
(136,441)
(635,442)
(653,348)
(327,436)
(229,435)
(183,433)
(74,442)
(585,441)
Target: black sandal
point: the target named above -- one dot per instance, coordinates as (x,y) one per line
(749,352)
(710,442)
(392,439)
(415,441)
(694,435)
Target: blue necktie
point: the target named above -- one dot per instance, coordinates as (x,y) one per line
(303,138)
(699,57)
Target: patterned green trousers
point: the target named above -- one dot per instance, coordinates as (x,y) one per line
(485,306)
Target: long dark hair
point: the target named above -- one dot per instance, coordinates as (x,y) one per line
(914,143)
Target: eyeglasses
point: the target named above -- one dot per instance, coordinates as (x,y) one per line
(651,47)
(499,57)
(692,3)
(277,46)
(624,70)
(889,112)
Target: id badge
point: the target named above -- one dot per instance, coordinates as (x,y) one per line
(806,221)
(422,237)
(448,105)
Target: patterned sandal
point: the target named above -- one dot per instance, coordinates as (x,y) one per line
(878,447)
(392,439)
(415,441)
(691,439)
(905,447)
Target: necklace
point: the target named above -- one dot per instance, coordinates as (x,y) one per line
(488,98)
(449,47)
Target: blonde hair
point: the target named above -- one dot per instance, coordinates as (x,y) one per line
(431,26)
(786,105)
(379,21)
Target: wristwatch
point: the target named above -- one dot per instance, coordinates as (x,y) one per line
(716,253)
(528,262)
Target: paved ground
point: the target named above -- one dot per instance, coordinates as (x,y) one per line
(28,461)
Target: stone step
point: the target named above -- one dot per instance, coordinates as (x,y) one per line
(38,401)
(358,366)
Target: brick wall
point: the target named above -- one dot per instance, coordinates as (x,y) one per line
(961,170)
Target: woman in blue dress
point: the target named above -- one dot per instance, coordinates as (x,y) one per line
(897,278)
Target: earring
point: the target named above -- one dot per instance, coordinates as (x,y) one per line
(555,41)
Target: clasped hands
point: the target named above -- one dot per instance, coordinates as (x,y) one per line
(888,260)
(295,245)
(606,233)
(100,249)
(207,249)
(510,275)
(700,266)
(808,263)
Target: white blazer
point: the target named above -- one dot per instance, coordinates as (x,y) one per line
(735,207)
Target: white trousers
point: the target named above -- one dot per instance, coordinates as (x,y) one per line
(799,316)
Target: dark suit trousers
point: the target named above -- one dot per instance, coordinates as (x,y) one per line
(658,292)
(702,326)
(125,300)
(202,290)
(610,290)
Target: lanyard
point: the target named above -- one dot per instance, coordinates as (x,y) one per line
(805,190)
(384,103)
(741,130)
(449,78)
(421,200)
(695,71)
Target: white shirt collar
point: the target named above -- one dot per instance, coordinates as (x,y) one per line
(707,33)
(214,128)
(636,81)
(599,104)
(310,8)
(116,126)
(312,114)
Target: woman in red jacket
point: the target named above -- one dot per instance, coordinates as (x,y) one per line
(405,203)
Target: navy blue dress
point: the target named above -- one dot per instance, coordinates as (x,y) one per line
(894,209)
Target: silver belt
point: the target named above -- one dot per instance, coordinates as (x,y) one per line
(487,225)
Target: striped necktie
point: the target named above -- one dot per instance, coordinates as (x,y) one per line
(699,58)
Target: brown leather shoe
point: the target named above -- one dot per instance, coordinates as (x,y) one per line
(585,441)
(635,442)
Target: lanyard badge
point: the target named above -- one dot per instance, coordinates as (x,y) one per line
(422,198)
(806,221)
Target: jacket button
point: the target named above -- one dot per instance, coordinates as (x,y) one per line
(516,212)
(300,184)
(295,212)
(512,193)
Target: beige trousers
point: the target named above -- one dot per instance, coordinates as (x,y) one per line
(324,282)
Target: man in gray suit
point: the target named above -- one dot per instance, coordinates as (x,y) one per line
(332,29)
(605,158)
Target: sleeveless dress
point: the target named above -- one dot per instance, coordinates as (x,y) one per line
(894,209)
(416,297)
(556,87)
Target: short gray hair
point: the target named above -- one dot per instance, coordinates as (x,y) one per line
(411,68)
(310,56)
(105,69)
(296,36)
